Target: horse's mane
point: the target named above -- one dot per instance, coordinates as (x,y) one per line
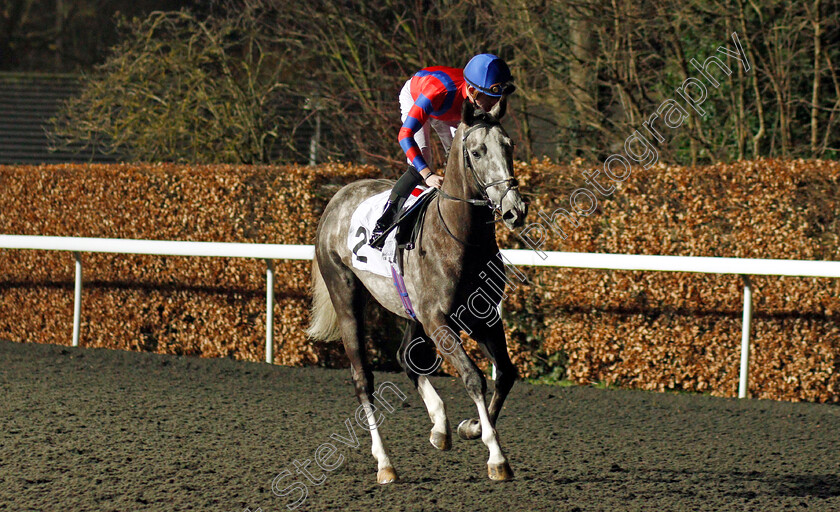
(472,114)
(483,117)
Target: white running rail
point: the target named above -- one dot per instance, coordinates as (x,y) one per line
(744,267)
(267,252)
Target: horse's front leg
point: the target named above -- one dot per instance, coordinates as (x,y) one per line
(448,343)
(418,358)
(492,341)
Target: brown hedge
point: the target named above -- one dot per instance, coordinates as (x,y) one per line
(204,306)
(637,329)
(681,331)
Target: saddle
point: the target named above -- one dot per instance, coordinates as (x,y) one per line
(409,226)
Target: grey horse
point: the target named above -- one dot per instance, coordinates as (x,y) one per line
(454,277)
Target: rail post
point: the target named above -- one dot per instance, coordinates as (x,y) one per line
(743,383)
(269,311)
(77,299)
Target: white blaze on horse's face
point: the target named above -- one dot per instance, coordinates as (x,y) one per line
(490,151)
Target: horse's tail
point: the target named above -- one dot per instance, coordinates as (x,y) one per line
(323,321)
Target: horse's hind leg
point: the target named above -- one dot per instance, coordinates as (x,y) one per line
(418,358)
(349,297)
(491,339)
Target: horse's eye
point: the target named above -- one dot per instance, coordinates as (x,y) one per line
(475,154)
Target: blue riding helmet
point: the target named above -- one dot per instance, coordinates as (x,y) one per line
(489,74)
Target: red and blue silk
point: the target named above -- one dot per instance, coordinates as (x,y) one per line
(438,92)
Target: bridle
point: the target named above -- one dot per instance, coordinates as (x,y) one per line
(511,182)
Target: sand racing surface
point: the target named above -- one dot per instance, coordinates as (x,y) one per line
(105,430)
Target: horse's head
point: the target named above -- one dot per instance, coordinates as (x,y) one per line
(488,159)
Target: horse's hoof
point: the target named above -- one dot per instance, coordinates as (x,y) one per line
(469,429)
(386,476)
(500,472)
(441,441)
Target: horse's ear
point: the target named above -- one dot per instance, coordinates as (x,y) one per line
(468,110)
(499,109)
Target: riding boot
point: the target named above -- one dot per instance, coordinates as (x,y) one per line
(410,179)
(392,209)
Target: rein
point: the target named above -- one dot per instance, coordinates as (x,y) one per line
(446,228)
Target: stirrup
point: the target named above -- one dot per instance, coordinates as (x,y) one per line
(380,230)
(377,238)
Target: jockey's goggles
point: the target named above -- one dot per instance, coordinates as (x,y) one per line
(497,90)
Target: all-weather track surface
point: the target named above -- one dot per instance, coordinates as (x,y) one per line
(104,430)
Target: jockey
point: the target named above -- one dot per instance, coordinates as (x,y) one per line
(433,97)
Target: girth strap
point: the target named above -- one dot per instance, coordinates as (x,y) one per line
(399,283)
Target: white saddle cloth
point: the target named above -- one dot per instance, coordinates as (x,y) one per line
(362,222)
